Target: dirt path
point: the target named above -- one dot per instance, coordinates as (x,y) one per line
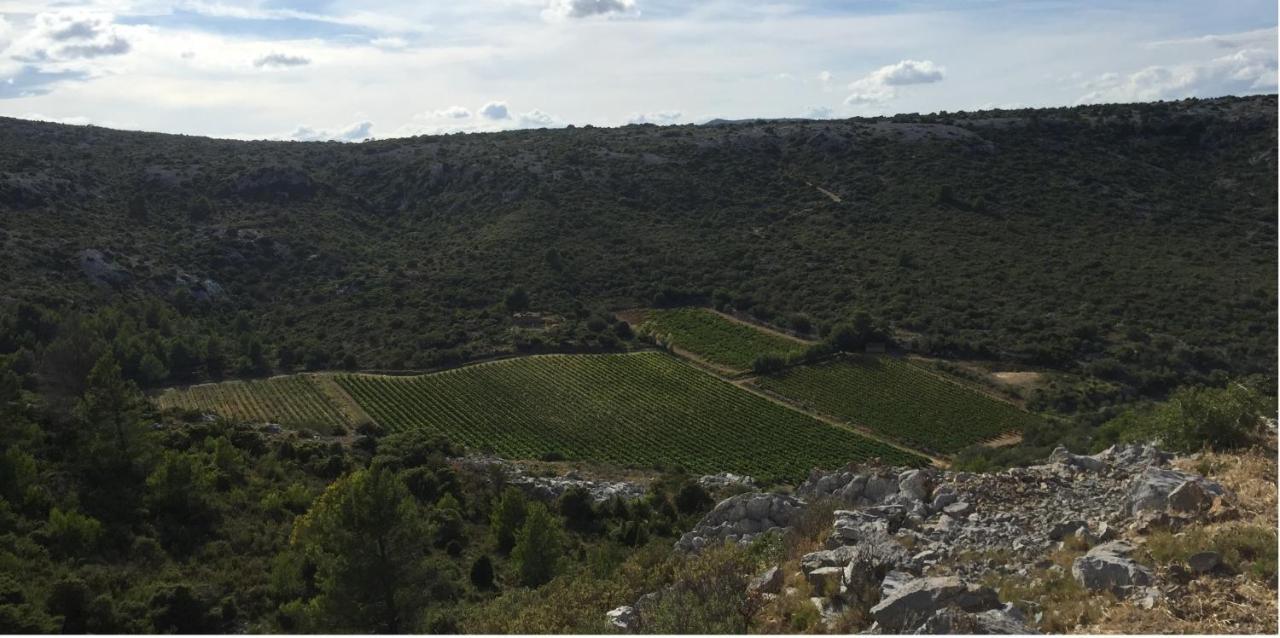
(746,384)
(763,328)
(1004,440)
(968,384)
(834,197)
(341,400)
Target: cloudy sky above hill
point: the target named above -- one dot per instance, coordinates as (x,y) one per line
(347,70)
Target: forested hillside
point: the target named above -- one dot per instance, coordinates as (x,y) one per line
(1131,244)
(1119,252)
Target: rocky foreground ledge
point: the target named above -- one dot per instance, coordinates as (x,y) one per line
(911,547)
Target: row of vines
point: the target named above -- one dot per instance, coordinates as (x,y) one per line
(640,410)
(293,400)
(900,400)
(714,338)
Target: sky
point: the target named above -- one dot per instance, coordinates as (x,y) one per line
(347,70)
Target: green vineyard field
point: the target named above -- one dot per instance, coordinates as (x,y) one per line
(711,337)
(296,401)
(638,410)
(899,400)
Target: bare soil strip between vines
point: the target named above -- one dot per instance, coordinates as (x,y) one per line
(746,384)
(1004,440)
(343,402)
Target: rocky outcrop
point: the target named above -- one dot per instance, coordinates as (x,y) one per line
(1017,516)
(1004,621)
(1109,567)
(726,480)
(100,269)
(550,488)
(770,582)
(623,617)
(277,182)
(740,519)
(913,603)
(1174,491)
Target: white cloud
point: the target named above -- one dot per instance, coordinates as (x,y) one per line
(78,120)
(453,113)
(661,118)
(1243,72)
(880,85)
(494,116)
(910,72)
(353,133)
(280,61)
(6,33)
(570,9)
(1248,39)
(390,42)
(536,119)
(69,35)
(495,111)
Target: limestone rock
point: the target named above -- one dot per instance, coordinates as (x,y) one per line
(770,582)
(837,557)
(824,582)
(914,484)
(1004,621)
(725,480)
(1151,491)
(942,497)
(878,487)
(1108,567)
(740,519)
(1065,529)
(1062,456)
(624,617)
(851,527)
(912,603)
(1190,498)
(871,563)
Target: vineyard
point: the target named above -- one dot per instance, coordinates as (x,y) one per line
(714,338)
(899,400)
(640,410)
(298,401)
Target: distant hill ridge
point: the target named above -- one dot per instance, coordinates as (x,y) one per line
(1130,243)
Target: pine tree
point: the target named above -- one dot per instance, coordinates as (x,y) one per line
(368,540)
(110,410)
(507,518)
(538,546)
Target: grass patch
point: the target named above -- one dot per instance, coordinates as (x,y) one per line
(1054,593)
(1245,549)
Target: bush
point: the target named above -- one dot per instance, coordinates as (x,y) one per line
(767,363)
(1195,418)
(482,573)
(578,510)
(72,533)
(693,499)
